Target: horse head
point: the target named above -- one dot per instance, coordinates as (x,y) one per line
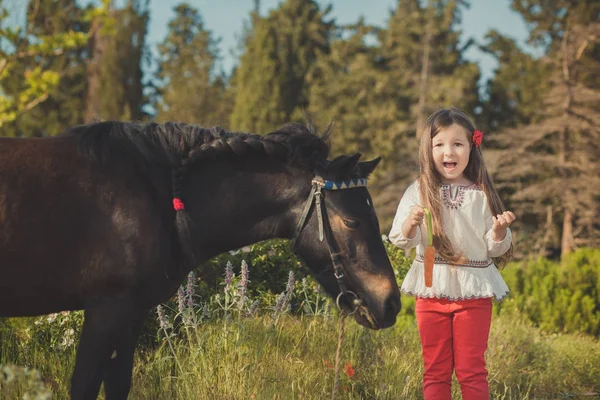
(338,237)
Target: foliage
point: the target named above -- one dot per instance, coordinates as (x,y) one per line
(231,341)
(190,89)
(519,85)
(116,54)
(280,50)
(254,358)
(549,167)
(377,89)
(557,297)
(376,84)
(35,58)
(15,380)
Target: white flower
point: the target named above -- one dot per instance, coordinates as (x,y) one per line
(7,374)
(68,338)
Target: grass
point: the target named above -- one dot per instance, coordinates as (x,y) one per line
(254,358)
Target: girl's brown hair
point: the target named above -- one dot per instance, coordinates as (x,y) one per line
(430,180)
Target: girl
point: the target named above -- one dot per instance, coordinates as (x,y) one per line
(470,227)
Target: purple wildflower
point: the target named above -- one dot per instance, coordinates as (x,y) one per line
(282,301)
(279,303)
(229,275)
(254,307)
(162,319)
(290,284)
(181,300)
(189,290)
(243,284)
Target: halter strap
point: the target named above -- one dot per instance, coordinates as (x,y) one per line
(316,195)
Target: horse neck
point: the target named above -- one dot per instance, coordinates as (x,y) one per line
(240,203)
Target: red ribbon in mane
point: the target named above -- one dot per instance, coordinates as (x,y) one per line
(177,204)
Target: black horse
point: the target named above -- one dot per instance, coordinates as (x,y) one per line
(110,217)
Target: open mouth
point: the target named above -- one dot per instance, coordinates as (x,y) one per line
(365,316)
(361,312)
(450,165)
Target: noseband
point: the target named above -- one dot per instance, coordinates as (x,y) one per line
(316,196)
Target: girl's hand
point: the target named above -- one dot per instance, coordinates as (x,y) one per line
(501,223)
(415,218)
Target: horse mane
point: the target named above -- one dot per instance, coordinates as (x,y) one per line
(179,145)
(176,144)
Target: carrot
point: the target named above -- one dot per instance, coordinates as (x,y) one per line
(429,251)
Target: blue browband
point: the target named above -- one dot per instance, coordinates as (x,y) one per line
(339,185)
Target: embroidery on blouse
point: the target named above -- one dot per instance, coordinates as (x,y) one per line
(456,201)
(499,297)
(467,263)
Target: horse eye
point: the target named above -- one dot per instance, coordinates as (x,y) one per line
(351,224)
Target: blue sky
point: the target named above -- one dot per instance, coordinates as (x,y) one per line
(225,19)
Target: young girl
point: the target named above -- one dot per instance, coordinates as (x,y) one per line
(470,227)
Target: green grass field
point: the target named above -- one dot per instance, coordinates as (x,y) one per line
(256,358)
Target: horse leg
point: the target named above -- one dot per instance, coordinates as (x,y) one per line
(102,328)
(117,376)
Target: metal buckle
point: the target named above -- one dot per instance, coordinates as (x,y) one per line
(356,302)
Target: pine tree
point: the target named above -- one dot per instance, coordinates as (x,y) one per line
(115,77)
(421,46)
(353,89)
(192,90)
(280,49)
(376,96)
(552,165)
(519,85)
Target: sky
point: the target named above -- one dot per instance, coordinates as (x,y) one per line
(225,18)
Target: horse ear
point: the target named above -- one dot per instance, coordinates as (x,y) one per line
(344,162)
(341,166)
(364,169)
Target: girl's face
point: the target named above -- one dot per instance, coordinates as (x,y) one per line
(451,149)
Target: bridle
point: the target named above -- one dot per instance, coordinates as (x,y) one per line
(316,196)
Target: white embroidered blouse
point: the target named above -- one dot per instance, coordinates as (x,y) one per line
(467,221)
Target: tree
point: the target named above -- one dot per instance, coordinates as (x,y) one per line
(36,64)
(115,77)
(519,85)
(377,94)
(551,165)
(421,47)
(351,87)
(280,49)
(192,90)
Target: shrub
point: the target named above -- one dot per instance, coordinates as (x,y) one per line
(558,296)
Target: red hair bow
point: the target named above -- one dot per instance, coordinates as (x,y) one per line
(477,137)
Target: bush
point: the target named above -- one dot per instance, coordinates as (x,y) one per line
(558,296)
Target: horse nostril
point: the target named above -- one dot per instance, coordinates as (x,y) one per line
(392,306)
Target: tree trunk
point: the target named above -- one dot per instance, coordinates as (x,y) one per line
(567,242)
(543,247)
(424,72)
(98,48)
(567,234)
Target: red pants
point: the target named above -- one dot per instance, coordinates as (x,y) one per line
(454,336)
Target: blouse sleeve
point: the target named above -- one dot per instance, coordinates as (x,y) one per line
(495,248)
(396,236)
